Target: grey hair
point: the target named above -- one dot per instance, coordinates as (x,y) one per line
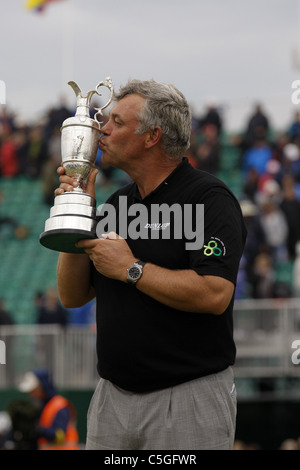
(165,106)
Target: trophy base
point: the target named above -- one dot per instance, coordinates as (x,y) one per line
(64,240)
(72,218)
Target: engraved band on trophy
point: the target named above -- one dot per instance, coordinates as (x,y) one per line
(73,216)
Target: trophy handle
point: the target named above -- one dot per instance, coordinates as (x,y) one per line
(108,83)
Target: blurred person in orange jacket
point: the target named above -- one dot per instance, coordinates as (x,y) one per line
(56,426)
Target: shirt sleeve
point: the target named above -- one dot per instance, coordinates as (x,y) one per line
(224,237)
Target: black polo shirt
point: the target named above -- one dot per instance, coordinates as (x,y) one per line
(143,345)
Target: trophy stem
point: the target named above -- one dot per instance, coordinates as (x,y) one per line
(79,189)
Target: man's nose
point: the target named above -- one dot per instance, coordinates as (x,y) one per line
(105,129)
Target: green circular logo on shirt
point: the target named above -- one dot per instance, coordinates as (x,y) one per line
(213,248)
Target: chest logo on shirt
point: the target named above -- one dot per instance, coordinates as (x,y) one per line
(157,226)
(215,247)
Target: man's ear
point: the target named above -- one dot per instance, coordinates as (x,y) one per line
(153,137)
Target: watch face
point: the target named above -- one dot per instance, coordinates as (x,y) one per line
(134,272)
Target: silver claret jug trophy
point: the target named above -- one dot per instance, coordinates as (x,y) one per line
(73,216)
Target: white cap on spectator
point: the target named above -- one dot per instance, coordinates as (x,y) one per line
(29,382)
(248,208)
(291,152)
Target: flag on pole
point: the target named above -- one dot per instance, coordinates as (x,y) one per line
(38,5)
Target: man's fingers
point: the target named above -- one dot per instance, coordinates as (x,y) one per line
(68,186)
(58,191)
(67,183)
(87,243)
(68,180)
(111,236)
(90,184)
(60,170)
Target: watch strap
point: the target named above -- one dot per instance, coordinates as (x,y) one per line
(141,263)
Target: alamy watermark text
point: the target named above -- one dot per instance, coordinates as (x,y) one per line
(159,221)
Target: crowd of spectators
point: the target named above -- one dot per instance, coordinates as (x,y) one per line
(268,168)
(269,173)
(32,150)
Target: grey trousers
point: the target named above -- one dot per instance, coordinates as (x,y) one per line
(195,415)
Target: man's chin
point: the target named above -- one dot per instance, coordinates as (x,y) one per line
(108,160)
(105,158)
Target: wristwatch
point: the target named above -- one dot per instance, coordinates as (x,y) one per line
(134,273)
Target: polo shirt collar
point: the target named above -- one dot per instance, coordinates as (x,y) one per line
(170,179)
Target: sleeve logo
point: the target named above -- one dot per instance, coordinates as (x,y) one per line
(214,247)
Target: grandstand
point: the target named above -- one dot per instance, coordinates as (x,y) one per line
(26,266)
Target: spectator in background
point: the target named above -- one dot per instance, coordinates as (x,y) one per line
(294,130)
(22,142)
(56,428)
(20,432)
(250,186)
(36,152)
(242,287)
(38,300)
(268,181)
(276,229)
(212,117)
(9,165)
(255,243)
(55,118)
(257,128)
(208,151)
(278,144)
(5,317)
(263,279)
(50,310)
(291,161)
(257,156)
(7,119)
(44,149)
(296,271)
(290,206)
(48,174)
(204,152)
